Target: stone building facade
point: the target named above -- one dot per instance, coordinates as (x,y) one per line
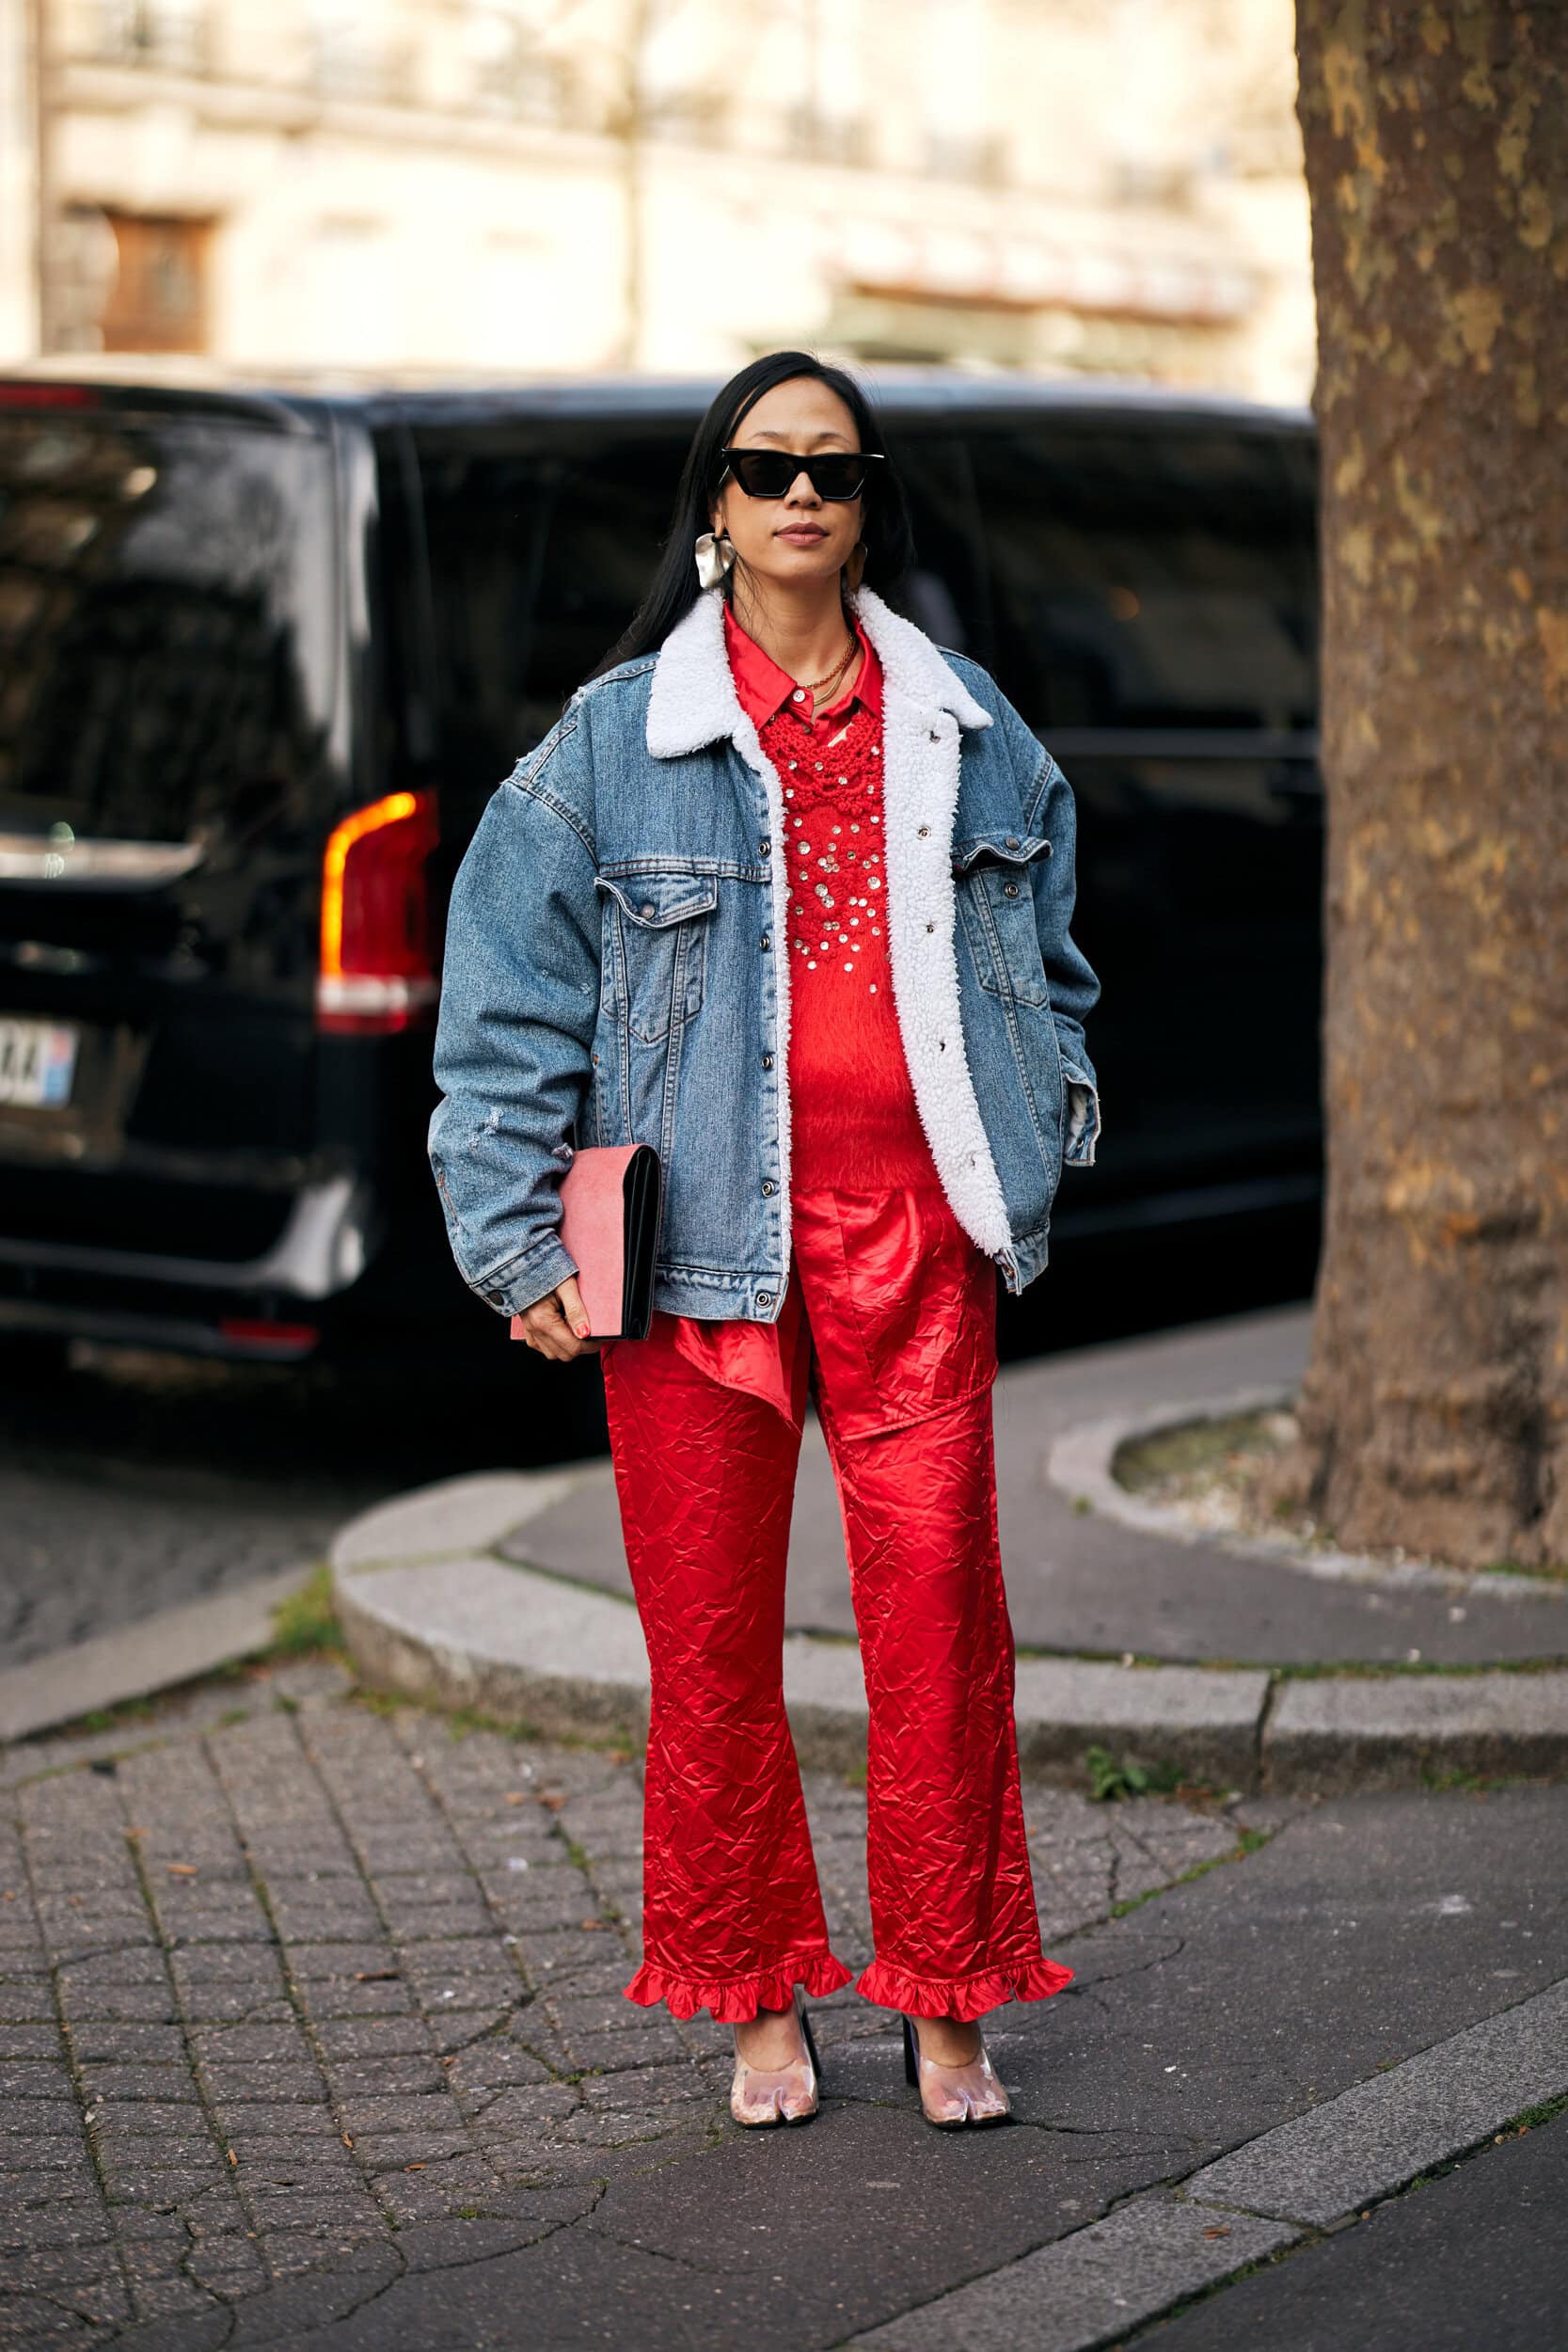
(505,186)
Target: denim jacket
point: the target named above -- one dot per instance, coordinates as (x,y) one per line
(616,972)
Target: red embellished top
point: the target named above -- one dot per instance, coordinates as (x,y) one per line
(861,1177)
(853,1119)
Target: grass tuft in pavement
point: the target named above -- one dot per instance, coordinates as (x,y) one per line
(306,1624)
(1248,1841)
(1112,1777)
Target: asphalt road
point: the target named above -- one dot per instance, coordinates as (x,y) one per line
(1477,2257)
(132,1482)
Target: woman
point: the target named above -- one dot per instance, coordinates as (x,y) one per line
(786,893)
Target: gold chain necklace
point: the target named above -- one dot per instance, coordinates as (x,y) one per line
(819,684)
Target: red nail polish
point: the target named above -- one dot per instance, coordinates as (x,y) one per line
(581,1329)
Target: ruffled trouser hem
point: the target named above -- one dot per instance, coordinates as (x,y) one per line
(963,1997)
(734,1999)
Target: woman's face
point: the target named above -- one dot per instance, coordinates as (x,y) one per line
(801,536)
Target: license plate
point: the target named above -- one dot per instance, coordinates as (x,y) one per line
(38,1061)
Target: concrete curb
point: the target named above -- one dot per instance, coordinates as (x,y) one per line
(1334,1733)
(1079,1463)
(1305,2176)
(432,1611)
(174,1647)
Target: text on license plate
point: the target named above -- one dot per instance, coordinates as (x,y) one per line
(38,1061)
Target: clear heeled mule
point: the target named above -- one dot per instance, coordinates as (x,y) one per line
(762,2096)
(953,2096)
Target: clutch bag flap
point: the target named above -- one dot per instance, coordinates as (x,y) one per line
(610,1198)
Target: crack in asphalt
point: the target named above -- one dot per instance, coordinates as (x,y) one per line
(1111,1853)
(1119,1976)
(406,2270)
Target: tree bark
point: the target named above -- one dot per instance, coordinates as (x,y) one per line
(1434,1410)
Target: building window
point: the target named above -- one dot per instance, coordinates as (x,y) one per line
(158,300)
(967,156)
(169,36)
(354,61)
(820,136)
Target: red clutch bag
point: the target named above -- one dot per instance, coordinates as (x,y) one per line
(610,1198)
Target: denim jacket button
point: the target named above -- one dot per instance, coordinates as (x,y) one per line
(765,847)
(768,1061)
(767,942)
(767,1185)
(1012,841)
(764,1298)
(648,906)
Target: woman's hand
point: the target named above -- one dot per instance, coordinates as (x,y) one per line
(557,1324)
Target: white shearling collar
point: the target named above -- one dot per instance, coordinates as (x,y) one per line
(692,701)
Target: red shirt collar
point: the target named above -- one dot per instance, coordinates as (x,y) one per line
(765,690)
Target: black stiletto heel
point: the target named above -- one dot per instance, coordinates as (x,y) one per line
(912,2063)
(809,2038)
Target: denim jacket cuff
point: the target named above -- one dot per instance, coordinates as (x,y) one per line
(1083,1127)
(520,1282)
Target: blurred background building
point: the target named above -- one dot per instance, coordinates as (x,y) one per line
(497,186)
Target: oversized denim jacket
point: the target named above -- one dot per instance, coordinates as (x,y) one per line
(616,972)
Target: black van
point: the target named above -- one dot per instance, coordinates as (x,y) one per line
(264,655)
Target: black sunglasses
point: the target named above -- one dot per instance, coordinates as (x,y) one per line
(771,473)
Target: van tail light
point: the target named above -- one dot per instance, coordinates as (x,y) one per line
(284,1342)
(377,947)
(26,395)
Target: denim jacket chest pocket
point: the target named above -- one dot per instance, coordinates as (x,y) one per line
(654,944)
(996,903)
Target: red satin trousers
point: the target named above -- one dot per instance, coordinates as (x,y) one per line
(889,1318)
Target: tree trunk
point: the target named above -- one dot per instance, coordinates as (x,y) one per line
(1434,1411)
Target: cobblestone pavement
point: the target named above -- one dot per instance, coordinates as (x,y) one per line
(134,1482)
(81,1560)
(300,1997)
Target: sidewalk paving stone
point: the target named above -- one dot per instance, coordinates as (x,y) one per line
(284,2157)
(1079,1581)
(537,1630)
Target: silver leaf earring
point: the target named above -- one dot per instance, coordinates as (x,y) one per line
(715,557)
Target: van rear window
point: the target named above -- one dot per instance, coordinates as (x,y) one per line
(167,623)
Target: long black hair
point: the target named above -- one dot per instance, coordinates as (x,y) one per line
(885,527)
